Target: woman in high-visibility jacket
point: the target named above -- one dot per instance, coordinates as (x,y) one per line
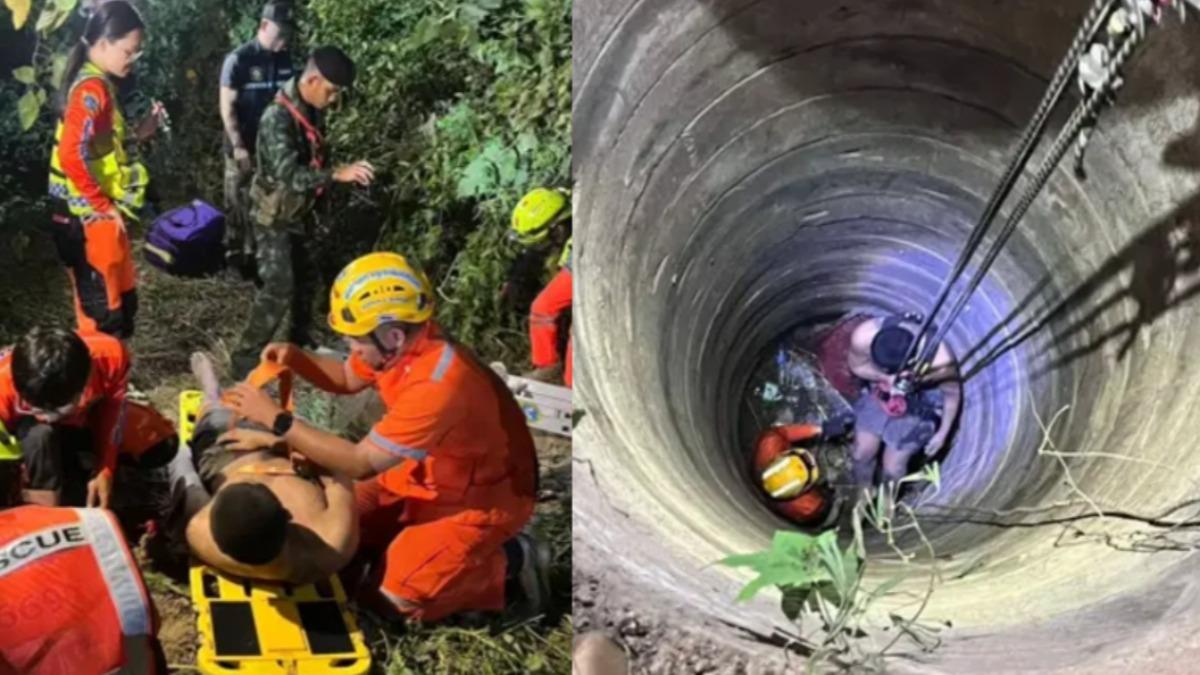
(96,184)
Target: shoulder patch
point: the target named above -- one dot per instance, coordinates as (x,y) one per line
(91,102)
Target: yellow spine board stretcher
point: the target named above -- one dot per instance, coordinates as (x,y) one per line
(261,628)
(190,402)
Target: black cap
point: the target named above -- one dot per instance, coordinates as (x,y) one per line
(334,65)
(249,524)
(278,13)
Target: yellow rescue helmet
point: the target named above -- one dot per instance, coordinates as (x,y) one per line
(536,213)
(375,289)
(10,447)
(790,474)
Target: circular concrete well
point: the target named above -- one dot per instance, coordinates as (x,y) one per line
(746,166)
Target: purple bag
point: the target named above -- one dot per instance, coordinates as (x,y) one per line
(188,241)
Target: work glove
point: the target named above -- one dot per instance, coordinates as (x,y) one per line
(838,425)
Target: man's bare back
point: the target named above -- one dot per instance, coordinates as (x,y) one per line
(322,534)
(307,524)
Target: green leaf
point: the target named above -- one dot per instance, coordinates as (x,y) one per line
(793,561)
(494,168)
(25,75)
(535,662)
(472,14)
(425,32)
(478,178)
(746,560)
(65,7)
(58,68)
(527,143)
(933,474)
(27,109)
(843,566)
(793,601)
(46,19)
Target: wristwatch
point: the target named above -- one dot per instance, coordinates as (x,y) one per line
(283,422)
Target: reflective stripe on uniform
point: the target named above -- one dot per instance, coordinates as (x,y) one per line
(785,489)
(123,586)
(443,363)
(395,448)
(404,605)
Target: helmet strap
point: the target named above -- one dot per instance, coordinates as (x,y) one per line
(387,353)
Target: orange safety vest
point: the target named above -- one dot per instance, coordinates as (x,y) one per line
(72,601)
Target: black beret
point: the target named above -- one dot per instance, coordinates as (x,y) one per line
(334,65)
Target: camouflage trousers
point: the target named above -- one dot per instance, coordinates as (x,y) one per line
(239,237)
(289,279)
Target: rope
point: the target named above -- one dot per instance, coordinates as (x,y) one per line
(1033,131)
(1083,113)
(1092,23)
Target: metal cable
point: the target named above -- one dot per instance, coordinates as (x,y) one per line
(1062,78)
(1083,112)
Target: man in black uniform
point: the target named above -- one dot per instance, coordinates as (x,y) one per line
(251,76)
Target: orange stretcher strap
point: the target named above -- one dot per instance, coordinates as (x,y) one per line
(269,371)
(266,373)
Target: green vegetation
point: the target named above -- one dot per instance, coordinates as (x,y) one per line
(822,583)
(462,106)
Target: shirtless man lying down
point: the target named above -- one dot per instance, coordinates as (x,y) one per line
(267,519)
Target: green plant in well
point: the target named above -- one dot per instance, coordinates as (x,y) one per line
(822,581)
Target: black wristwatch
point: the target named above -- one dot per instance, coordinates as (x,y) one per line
(283,422)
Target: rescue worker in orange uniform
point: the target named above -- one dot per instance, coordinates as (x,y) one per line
(541,221)
(72,600)
(63,395)
(448,476)
(789,473)
(97,186)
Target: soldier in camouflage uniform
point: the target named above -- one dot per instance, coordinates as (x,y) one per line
(291,175)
